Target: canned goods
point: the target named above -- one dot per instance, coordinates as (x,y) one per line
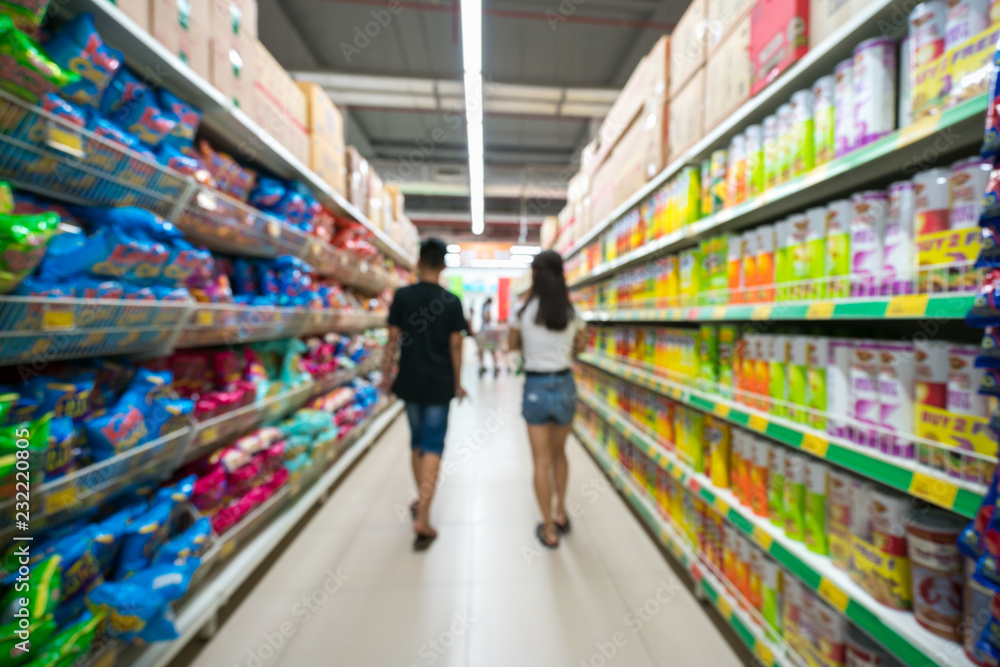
(966,185)
(843,107)
(931,201)
(874,90)
(927,26)
(965,19)
(936,564)
(824,119)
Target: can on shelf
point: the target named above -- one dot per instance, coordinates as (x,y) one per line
(863,652)
(736,171)
(965,19)
(785,149)
(936,565)
(895,389)
(976,614)
(824,119)
(966,185)
(897,251)
(905,84)
(843,107)
(802,141)
(755,160)
(931,201)
(927,25)
(839,518)
(717,180)
(865,407)
(874,90)
(770,139)
(868,217)
(838,247)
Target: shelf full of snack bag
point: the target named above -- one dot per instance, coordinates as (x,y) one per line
(941,457)
(223,120)
(768,648)
(241,549)
(796,598)
(48,150)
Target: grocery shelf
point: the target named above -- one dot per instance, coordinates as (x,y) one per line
(222,120)
(912,306)
(767,652)
(347,269)
(956,495)
(229,324)
(328,383)
(899,153)
(240,551)
(896,630)
(72,495)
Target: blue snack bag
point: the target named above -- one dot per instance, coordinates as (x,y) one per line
(178,493)
(60,457)
(244,277)
(188,119)
(78,48)
(168,579)
(168,415)
(63,110)
(124,90)
(267,279)
(134,613)
(991,136)
(192,543)
(147,386)
(142,539)
(111,434)
(267,193)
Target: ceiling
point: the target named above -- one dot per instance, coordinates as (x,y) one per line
(551,69)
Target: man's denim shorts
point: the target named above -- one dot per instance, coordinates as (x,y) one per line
(549,399)
(428,426)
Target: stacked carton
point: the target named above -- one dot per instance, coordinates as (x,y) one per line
(279,105)
(182,26)
(232,65)
(326,137)
(728,67)
(687,78)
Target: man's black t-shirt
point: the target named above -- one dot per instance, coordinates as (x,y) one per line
(427,315)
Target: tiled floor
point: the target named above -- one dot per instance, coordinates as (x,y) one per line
(350,591)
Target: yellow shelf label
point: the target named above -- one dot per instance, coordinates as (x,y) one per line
(58,319)
(762,537)
(763,653)
(226,550)
(206,318)
(934,490)
(722,506)
(720,410)
(65,140)
(722,604)
(60,500)
(822,310)
(815,445)
(757,423)
(761,313)
(917,130)
(829,591)
(911,305)
(210,434)
(719,313)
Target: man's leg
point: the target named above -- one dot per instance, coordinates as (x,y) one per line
(435,428)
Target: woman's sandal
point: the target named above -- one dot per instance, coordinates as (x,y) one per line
(540,533)
(563,527)
(423,541)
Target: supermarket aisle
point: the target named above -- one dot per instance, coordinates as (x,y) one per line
(485,594)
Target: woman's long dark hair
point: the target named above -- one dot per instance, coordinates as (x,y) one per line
(548,285)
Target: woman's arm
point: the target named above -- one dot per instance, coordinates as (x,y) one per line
(514,340)
(579,341)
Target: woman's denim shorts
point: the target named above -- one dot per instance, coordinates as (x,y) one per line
(549,399)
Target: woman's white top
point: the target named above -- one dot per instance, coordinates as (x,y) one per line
(545,350)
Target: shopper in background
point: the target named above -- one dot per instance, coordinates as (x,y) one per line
(487,339)
(426,325)
(549,331)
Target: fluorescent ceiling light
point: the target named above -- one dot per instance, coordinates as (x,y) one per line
(472,64)
(511,263)
(454,248)
(525,250)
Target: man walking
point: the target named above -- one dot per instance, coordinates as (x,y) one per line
(426,324)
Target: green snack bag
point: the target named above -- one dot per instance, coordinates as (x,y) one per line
(36,434)
(776,486)
(14,640)
(6,198)
(817,359)
(770,593)
(72,642)
(708,355)
(27,72)
(838,247)
(797,362)
(816,253)
(43,594)
(794,496)
(817,490)
(776,348)
(23,240)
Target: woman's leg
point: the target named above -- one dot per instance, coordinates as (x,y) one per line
(560,467)
(541,452)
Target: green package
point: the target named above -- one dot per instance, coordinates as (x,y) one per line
(817,490)
(770,593)
(12,645)
(689,196)
(727,358)
(43,594)
(838,247)
(776,486)
(755,160)
(803,155)
(72,642)
(708,356)
(35,434)
(704,183)
(777,371)
(690,275)
(817,360)
(782,259)
(771,158)
(797,363)
(816,253)
(794,496)
(798,249)
(32,73)
(24,239)
(6,198)
(784,139)
(823,119)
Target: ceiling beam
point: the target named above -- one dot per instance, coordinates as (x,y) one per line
(443,95)
(422,217)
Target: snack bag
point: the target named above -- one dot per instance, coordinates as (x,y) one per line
(6,199)
(111,434)
(170,580)
(142,539)
(72,643)
(192,543)
(44,591)
(27,72)
(78,48)
(188,120)
(23,242)
(38,632)
(134,613)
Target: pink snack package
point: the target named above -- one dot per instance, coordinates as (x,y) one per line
(245,478)
(210,490)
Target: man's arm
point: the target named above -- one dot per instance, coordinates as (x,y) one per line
(389,359)
(455,343)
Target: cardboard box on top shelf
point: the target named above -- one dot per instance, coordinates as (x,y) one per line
(722,17)
(729,71)
(280,125)
(183,27)
(779,36)
(375,202)
(231,70)
(357,181)
(826,16)
(397,200)
(650,79)
(326,137)
(550,230)
(140,11)
(687,115)
(237,18)
(273,81)
(689,44)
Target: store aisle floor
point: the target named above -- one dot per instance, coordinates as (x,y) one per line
(350,591)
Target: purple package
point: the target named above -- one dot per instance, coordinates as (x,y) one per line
(868,219)
(896,383)
(865,408)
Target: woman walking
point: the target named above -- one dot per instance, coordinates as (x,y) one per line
(550,333)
